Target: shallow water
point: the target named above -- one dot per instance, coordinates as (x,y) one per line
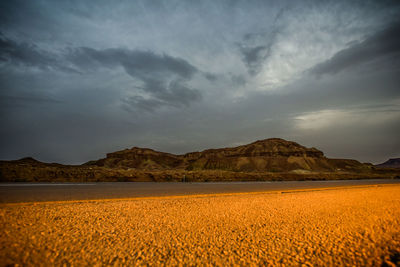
(27,192)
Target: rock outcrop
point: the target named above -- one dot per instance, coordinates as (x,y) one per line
(269,155)
(391,163)
(265,160)
(140,158)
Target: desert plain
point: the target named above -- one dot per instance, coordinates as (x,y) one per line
(352,226)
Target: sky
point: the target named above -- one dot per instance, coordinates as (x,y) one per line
(79,79)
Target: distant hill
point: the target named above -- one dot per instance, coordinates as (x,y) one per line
(271,159)
(391,163)
(269,155)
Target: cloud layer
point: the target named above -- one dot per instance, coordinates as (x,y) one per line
(385,43)
(78,80)
(162,78)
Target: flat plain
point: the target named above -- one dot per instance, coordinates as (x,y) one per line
(354,226)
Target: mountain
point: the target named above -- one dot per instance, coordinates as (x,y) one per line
(272,159)
(139,158)
(269,155)
(391,163)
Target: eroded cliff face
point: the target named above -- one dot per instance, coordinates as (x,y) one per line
(273,147)
(269,155)
(265,160)
(140,158)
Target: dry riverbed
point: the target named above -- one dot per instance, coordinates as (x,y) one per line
(359,226)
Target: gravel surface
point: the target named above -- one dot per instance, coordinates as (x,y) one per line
(359,226)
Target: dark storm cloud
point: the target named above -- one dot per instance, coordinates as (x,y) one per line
(174,93)
(135,62)
(256,47)
(21,53)
(253,57)
(161,76)
(383,43)
(26,54)
(211,77)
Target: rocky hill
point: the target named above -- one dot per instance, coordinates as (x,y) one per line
(269,155)
(264,160)
(391,163)
(139,158)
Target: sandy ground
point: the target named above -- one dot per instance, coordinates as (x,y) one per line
(358,226)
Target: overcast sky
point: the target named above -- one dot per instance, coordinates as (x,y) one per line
(79,79)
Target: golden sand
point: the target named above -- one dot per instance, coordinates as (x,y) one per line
(359,226)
